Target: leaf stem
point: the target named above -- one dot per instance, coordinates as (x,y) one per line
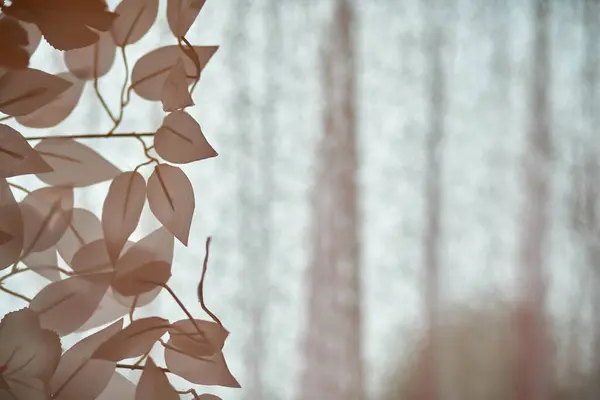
(201,286)
(22,188)
(140,367)
(93,136)
(20,296)
(178,301)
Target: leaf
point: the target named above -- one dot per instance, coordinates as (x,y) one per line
(34,36)
(13,54)
(119,388)
(171,200)
(16,155)
(151,71)
(27,350)
(211,370)
(46,215)
(74,163)
(58,109)
(92,258)
(180,140)
(80,377)
(185,336)
(181,14)
(148,260)
(154,384)
(141,279)
(11,225)
(135,18)
(175,94)
(66,24)
(84,228)
(44,263)
(93,61)
(23,91)
(107,311)
(122,210)
(66,305)
(134,341)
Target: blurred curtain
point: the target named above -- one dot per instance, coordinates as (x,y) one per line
(332,151)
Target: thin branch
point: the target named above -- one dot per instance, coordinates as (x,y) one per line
(201,285)
(22,188)
(93,136)
(20,296)
(122,99)
(6,118)
(140,367)
(178,301)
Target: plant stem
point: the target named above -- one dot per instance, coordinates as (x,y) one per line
(93,136)
(20,296)
(139,367)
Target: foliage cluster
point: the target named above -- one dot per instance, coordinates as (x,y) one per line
(105,275)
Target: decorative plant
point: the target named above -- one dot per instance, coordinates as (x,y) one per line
(108,275)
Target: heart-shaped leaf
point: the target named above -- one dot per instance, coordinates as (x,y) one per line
(152,70)
(180,140)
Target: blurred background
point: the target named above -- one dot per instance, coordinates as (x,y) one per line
(373,155)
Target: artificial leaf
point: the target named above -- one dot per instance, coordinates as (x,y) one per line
(34,36)
(58,109)
(154,384)
(66,24)
(84,228)
(180,140)
(171,200)
(93,61)
(147,261)
(107,311)
(175,94)
(151,71)
(66,305)
(16,155)
(46,215)
(23,91)
(74,163)
(29,356)
(122,210)
(134,341)
(11,225)
(211,370)
(44,263)
(135,19)
(199,338)
(13,54)
(140,279)
(181,14)
(80,377)
(119,388)
(92,258)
